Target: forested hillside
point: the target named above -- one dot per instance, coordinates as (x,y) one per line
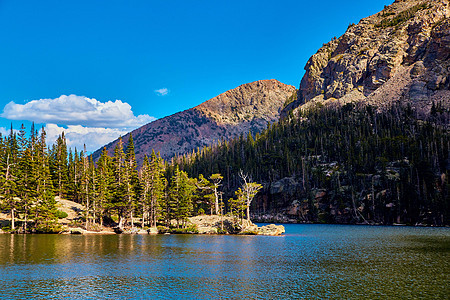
(113,192)
(342,165)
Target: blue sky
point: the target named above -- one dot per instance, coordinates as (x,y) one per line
(125,63)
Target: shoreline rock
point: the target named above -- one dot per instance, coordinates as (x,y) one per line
(213,224)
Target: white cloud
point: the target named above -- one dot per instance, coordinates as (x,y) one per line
(77,110)
(77,136)
(4,132)
(162,92)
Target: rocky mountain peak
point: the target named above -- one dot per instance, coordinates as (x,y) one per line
(260,99)
(399,54)
(248,107)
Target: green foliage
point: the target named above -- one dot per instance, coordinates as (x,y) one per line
(385,167)
(191,229)
(402,16)
(291,99)
(7,229)
(163,229)
(61,214)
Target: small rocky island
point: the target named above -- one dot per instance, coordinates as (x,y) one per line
(203,224)
(71,222)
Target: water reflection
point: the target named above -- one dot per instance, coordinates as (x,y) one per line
(310,261)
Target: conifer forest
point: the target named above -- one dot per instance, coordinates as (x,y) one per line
(113,190)
(343,164)
(349,165)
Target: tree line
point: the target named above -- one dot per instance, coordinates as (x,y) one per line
(350,164)
(113,190)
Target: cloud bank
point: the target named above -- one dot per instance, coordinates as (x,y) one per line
(77,135)
(84,120)
(76,110)
(162,92)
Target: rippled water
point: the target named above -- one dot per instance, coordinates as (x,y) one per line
(310,261)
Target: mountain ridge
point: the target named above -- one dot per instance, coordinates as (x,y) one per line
(248,107)
(400,54)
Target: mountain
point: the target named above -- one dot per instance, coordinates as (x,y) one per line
(248,107)
(367,139)
(400,54)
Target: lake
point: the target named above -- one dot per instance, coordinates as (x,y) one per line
(309,261)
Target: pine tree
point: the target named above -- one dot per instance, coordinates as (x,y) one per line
(152,187)
(180,195)
(204,194)
(85,186)
(25,182)
(104,182)
(119,185)
(45,206)
(59,166)
(8,177)
(130,178)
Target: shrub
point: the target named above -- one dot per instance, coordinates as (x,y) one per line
(61,214)
(402,16)
(221,231)
(163,229)
(6,228)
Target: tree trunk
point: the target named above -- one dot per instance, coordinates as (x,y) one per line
(143,217)
(120,222)
(25,221)
(216,203)
(13,225)
(132,223)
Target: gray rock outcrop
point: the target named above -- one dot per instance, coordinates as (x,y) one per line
(400,54)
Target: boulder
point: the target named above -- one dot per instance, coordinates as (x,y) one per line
(152,230)
(271,229)
(207,224)
(77,231)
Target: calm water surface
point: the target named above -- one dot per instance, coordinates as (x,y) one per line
(310,261)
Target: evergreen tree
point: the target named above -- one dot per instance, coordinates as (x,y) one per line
(180,196)
(152,186)
(25,180)
(59,166)
(119,186)
(130,178)
(104,182)
(8,188)
(44,210)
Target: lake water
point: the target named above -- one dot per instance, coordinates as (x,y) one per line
(309,261)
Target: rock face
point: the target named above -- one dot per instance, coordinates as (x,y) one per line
(246,108)
(399,54)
